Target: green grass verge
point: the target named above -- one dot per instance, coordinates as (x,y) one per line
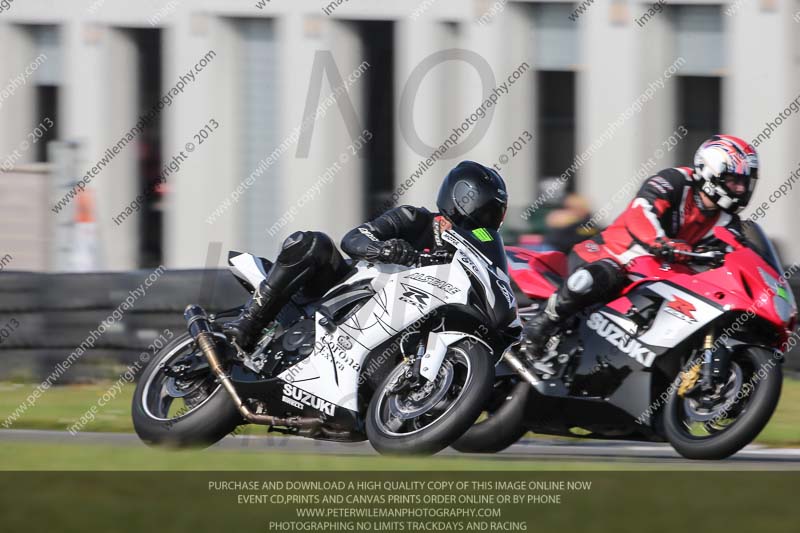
(61,407)
(89,456)
(784,427)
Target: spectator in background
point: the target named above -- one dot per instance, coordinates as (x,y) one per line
(565,226)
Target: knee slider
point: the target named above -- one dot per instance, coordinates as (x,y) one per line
(581,281)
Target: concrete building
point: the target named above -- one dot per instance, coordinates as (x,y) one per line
(613,89)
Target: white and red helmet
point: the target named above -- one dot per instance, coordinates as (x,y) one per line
(726,169)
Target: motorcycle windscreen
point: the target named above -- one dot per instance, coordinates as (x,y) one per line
(488,242)
(758,241)
(492,286)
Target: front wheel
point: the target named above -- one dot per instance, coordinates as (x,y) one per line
(426,417)
(716,423)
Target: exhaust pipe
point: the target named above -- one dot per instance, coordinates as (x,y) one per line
(520,367)
(200,330)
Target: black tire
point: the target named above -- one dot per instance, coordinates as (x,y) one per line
(504,424)
(448,427)
(755,413)
(210,421)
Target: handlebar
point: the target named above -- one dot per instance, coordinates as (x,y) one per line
(435,258)
(706,256)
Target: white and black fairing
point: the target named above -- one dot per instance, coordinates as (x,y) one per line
(324,362)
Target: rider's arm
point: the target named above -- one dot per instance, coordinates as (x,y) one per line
(731,222)
(405,223)
(658,194)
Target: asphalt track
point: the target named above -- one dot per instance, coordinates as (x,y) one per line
(753,457)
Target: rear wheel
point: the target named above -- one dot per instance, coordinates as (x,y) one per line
(716,423)
(179,402)
(426,417)
(504,422)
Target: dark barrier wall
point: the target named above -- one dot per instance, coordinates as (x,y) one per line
(45,317)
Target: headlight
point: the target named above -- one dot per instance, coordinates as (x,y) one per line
(782,296)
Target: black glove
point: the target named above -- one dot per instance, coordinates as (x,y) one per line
(396,251)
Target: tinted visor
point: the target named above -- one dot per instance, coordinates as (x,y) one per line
(739,186)
(480,210)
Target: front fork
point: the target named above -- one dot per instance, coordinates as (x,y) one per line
(413,376)
(709,369)
(431,354)
(716,361)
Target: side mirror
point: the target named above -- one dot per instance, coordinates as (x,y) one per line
(728,237)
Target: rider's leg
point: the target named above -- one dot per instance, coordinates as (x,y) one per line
(306,258)
(589,283)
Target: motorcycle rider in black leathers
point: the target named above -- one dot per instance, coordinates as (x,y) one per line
(471,196)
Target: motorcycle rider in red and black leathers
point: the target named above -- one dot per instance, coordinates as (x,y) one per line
(673,211)
(471,196)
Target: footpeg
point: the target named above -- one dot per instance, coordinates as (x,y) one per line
(327,323)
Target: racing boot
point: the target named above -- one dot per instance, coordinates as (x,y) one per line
(541,328)
(260,309)
(562,304)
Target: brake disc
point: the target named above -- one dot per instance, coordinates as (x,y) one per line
(720,404)
(424,398)
(180,389)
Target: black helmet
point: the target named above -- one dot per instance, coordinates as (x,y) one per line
(473,196)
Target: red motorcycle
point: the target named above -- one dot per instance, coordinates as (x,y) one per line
(689,353)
